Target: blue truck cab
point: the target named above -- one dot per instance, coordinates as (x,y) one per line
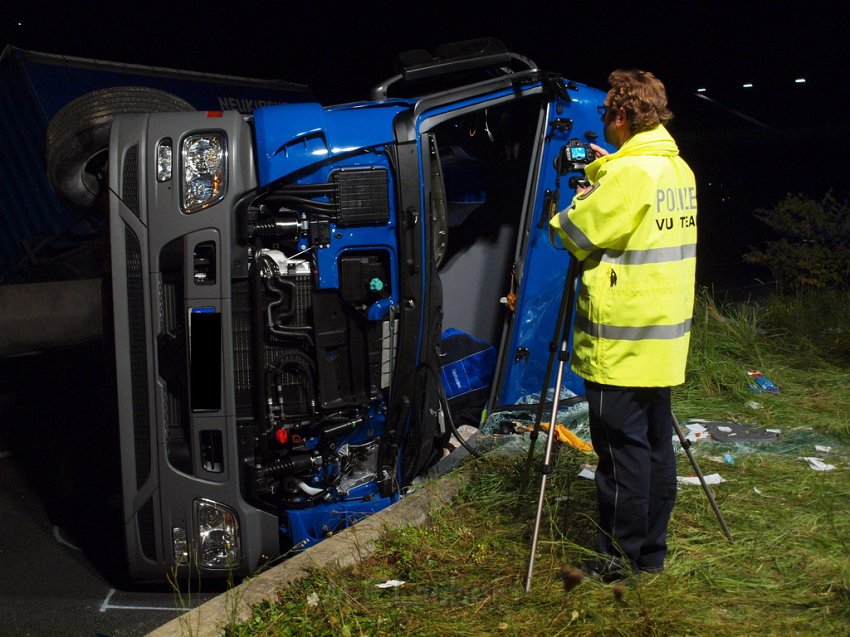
(281,280)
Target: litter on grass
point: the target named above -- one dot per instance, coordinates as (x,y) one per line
(565,436)
(749,439)
(760,384)
(697,429)
(694,431)
(817,464)
(391,583)
(711,478)
(572,412)
(725,459)
(738,432)
(587,471)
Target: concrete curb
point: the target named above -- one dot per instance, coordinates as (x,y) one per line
(344,549)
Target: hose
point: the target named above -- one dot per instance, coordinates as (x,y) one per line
(292,331)
(444,403)
(303,364)
(309,204)
(277,291)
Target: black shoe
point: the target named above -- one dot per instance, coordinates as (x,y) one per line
(607,571)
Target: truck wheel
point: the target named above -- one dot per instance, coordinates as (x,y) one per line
(78,137)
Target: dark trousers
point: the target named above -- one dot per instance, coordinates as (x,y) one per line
(632,433)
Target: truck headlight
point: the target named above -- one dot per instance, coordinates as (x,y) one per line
(180,545)
(204,170)
(163,161)
(218,535)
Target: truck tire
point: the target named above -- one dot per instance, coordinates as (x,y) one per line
(78,137)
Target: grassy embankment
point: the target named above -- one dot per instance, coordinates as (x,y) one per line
(787,573)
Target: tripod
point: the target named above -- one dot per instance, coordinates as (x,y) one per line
(686,445)
(558,348)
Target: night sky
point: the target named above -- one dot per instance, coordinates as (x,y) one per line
(341,49)
(749,146)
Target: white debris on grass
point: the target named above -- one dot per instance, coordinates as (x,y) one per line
(711,478)
(391,583)
(694,431)
(587,471)
(726,458)
(817,464)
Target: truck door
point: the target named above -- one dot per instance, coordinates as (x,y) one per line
(541,263)
(494,171)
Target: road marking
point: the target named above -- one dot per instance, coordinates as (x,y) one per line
(105,606)
(57,535)
(105,603)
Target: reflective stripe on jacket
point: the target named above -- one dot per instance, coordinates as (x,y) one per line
(635,232)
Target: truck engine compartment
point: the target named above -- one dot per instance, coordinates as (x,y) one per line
(319,322)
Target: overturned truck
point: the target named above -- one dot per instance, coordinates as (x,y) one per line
(281,281)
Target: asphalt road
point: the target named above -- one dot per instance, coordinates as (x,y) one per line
(61,556)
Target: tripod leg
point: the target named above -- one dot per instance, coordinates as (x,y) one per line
(547,468)
(562,325)
(686,445)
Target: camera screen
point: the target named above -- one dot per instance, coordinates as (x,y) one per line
(578,152)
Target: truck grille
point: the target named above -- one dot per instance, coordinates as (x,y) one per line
(242,358)
(147,530)
(138,357)
(130,179)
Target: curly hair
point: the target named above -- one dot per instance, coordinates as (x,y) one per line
(643,97)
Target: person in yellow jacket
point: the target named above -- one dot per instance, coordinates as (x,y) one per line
(634,230)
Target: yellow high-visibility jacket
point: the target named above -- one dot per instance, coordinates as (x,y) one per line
(635,233)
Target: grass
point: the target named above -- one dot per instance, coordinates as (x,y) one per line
(787,573)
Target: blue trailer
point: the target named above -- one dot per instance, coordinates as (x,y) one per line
(42,235)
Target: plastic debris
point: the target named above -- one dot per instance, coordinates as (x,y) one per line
(725,459)
(565,436)
(761,383)
(711,478)
(573,415)
(587,471)
(738,432)
(752,404)
(695,431)
(823,448)
(391,583)
(817,464)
